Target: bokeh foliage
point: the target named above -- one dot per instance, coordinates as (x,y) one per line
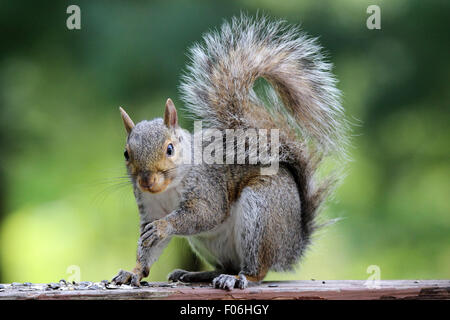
(62,202)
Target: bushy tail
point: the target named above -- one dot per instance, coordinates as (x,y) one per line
(303,101)
(218,87)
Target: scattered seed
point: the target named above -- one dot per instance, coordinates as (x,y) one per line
(108,286)
(53,286)
(272,285)
(27,289)
(94,287)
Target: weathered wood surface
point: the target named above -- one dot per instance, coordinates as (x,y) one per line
(310,289)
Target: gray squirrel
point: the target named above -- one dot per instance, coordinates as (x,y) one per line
(240,221)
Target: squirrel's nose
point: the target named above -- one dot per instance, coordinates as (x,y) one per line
(147,180)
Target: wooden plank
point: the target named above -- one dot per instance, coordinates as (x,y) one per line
(310,289)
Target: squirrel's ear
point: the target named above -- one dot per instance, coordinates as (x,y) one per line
(170,115)
(129,124)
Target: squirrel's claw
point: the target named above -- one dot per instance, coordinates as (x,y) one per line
(135,280)
(150,238)
(224,281)
(229,282)
(123,277)
(177,275)
(242,282)
(127,277)
(153,233)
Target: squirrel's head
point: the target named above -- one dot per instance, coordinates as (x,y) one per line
(153,150)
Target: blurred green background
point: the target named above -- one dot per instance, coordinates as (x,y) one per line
(62,138)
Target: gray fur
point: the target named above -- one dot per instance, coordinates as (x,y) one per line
(241,222)
(223,68)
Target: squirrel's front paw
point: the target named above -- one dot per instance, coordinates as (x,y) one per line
(127,277)
(123,277)
(154,232)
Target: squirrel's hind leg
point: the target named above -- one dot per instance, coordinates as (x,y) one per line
(267,229)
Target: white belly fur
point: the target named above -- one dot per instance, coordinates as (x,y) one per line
(161,204)
(220,247)
(217,247)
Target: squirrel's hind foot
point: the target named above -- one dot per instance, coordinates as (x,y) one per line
(177,275)
(229,282)
(187,276)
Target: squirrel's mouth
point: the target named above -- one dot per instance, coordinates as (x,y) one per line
(154,184)
(152,190)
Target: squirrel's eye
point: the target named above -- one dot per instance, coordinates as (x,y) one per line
(126,155)
(170,149)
